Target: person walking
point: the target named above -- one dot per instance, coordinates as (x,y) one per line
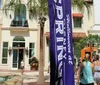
(22,67)
(97,70)
(85,74)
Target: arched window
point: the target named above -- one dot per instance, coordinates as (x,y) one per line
(20,16)
(20,12)
(19,41)
(18,38)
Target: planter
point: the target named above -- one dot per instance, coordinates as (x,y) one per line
(34,63)
(34,69)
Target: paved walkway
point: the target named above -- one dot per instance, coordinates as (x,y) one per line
(29,77)
(32,83)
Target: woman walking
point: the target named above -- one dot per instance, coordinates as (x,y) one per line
(86,72)
(97,70)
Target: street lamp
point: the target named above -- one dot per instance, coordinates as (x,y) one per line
(10,50)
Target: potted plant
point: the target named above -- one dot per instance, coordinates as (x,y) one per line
(34,63)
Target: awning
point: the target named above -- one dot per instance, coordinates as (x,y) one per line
(89,1)
(77,15)
(76,35)
(79,34)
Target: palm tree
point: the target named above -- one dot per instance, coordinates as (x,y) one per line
(38,9)
(81,5)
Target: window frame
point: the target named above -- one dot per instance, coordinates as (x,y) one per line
(77,24)
(0,4)
(20,16)
(30,51)
(4,57)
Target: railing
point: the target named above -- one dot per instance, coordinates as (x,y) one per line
(20,23)
(89,0)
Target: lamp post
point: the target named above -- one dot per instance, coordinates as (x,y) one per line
(10,50)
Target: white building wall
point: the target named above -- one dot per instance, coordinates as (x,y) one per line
(96,11)
(34,35)
(30,37)
(87,22)
(95,29)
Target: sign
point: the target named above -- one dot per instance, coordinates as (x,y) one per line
(61,49)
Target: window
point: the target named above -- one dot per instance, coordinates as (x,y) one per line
(0,3)
(4,52)
(20,16)
(77,22)
(31,50)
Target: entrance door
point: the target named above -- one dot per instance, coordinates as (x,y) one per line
(20,57)
(18,51)
(15,59)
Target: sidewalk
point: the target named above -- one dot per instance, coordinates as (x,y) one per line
(32,83)
(29,77)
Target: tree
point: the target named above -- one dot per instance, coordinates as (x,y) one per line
(94,39)
(38,9)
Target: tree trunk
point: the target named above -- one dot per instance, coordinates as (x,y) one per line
(0,37)
(41,59)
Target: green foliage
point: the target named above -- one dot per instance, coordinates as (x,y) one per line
(34,60)
(34,63)
(90,39)
(38,8)
(81,5)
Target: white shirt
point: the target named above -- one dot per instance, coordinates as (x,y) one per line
(22,63)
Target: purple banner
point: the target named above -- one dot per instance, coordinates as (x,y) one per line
(61,49)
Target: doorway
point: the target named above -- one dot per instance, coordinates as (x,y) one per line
(18,52)
(18,56)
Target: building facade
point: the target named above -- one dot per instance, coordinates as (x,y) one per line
(81,24)
(20,36)
(95,29)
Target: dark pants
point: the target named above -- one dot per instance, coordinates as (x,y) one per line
(87,84)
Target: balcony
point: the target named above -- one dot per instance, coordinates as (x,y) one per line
(89,1)
(19,23)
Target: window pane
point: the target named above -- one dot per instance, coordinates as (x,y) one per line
(31,45)
(31,53)
(18,44)
(20,13)
(4,61)
(77,22)
(5,44)
(31,50)
(0,3)
(5,52)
